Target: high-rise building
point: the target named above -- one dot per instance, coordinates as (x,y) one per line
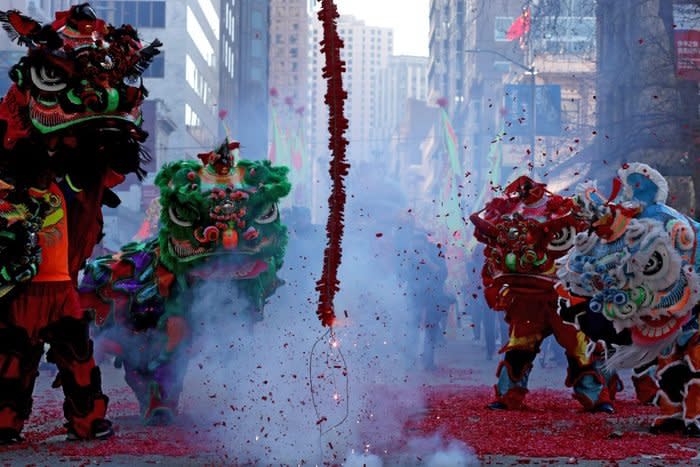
(289,49)
(213,67)
(184,76)
(404,79)
(244,73)
(366,51)
(448,33)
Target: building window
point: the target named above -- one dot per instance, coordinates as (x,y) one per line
(157,67)
(294,52)
(196,80)
(231,61)
(256,47)
(257,20)
(138,14)
(571,110)
(191,117)
(195,31)
(211,15)
(501,27)
(569,34)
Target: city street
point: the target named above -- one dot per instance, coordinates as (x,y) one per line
(553,431)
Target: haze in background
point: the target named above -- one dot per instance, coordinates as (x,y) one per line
(408,19)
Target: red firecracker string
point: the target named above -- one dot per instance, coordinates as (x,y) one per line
(331,44)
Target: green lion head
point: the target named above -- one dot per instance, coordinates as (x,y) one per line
(220,218)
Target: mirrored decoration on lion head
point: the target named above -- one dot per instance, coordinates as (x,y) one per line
(638,264)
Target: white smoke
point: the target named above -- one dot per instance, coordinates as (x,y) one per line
(249,385)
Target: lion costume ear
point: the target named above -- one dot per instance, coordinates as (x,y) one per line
(21,29)
(169,172)
(643,184)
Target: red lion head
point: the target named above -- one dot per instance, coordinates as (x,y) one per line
(525,231)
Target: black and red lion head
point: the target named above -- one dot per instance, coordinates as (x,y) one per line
(80,82)
(72,116)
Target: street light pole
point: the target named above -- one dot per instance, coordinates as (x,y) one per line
(533,86)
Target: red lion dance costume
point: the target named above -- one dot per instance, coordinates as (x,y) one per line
(70,129)
(525,232)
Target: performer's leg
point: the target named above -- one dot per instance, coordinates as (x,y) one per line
(691,407)
(138,380)
(164,388)
(526,336)
(19,363)
(672,373)
(585,360)
(20,353)
(513,373)
(645,384)
(691,391)
(72,351)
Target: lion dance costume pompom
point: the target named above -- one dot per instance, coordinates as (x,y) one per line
(525,231)
(219,222)
(639,268)
(70,131)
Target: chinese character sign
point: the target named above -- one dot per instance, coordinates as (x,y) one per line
(687,39)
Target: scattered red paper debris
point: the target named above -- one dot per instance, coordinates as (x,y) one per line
(45,431)
(553,425)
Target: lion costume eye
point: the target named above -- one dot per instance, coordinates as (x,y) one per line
(179,216)
(47,79)
(563,240)
(270,214)
(654,265)
(133,81)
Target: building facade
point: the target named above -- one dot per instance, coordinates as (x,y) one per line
(289,49)
(244,74)
(647,110)
(366,51)
(404,79)
(447,35)
(184,76)
(481,76)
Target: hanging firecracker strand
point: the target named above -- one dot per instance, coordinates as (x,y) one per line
(328,284)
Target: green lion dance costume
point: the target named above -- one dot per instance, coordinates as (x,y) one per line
(219,222)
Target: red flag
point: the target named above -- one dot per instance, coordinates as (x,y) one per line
(520,26)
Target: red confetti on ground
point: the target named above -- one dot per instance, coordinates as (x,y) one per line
(45,431)
(553,425)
